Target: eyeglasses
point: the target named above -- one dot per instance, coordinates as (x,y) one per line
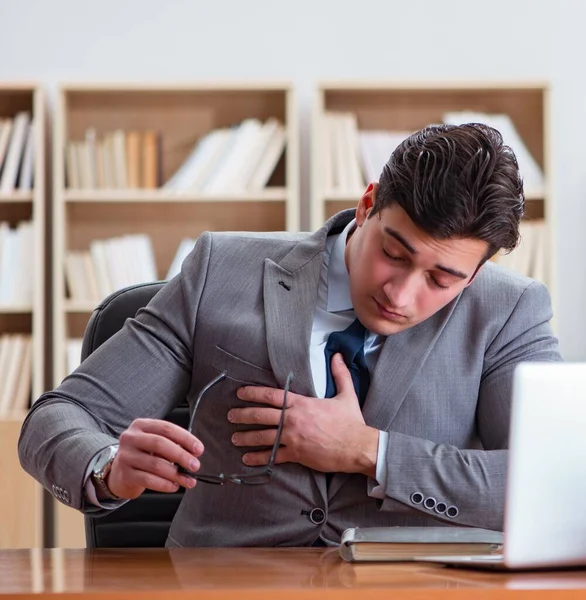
(263,474)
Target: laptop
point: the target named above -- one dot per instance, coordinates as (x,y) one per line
(545,507)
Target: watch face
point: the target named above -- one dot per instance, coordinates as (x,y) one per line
(104,461)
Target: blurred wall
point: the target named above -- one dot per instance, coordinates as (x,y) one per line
(307,40)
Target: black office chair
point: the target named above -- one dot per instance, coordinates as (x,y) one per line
(145,521)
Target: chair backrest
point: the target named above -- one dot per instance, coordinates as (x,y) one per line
(145,521)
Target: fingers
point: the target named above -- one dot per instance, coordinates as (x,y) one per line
(265,395)
(261,458)
(158,447)
(255,416)
(148,455)
(172,432)
(261,437)
(341,375)
(153,472)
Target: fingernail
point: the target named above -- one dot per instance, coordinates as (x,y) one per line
(339,358)
(246,459)
(197,448)
(193,465)
(230,415)
(239,393)
(235,439)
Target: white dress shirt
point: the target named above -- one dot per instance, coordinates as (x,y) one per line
(334,312)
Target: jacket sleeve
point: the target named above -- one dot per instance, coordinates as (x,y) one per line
(467,487)
(142,371)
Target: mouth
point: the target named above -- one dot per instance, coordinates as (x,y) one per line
(389,313)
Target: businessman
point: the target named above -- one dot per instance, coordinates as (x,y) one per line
(402,338)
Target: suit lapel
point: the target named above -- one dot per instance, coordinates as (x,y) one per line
(400,360)
(290,297)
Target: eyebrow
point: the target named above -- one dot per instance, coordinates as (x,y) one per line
(395,234)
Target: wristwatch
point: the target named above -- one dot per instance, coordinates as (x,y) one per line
(101,470)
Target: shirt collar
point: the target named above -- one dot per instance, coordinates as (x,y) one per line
(338,278)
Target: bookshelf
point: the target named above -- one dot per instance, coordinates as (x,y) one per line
(409,106)
(22,311)
(178,116)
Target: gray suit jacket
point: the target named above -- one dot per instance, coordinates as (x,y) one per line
(442,389)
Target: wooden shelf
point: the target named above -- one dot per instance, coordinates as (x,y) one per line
(80,307)
(409,106)
(21,508)
(16,309)
(17,197)
(274,194)
(182,114)
(530,195)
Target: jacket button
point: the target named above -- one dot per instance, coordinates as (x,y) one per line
(417,497)
(440,508)
(317,516)
(452,512)
(429,503)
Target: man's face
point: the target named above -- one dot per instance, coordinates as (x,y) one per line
(400,275)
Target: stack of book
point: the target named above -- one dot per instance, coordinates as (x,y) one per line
(116,160)
(531,256)
(15,374)
(354,157)
(16,264)
(17,153)
(231,160)
(109,265)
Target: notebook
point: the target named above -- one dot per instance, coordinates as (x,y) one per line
(545,515)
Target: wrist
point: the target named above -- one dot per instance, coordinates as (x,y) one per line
(367,455)
(101,473)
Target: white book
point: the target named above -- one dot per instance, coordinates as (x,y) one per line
(269,160)
(186,176)
(25,180)
(5,129)
(72,166)
(227,170)
(541,261)
(528,167)
(90,157)
(5,349)
(259,147)
(146,258)
(13,368)
(119,156)
(90,273)
(327,156)
(24,383)
(8,266)
(100,262)
(14,153)
(352,151)
(73,354)
(23,287)
(185,247)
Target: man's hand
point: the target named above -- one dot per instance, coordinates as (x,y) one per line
(149,453)
(327,435)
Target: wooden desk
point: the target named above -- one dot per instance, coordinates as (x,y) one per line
(259,574)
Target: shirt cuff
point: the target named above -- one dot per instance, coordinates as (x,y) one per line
(378,491)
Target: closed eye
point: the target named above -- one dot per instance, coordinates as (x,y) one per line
(392,257)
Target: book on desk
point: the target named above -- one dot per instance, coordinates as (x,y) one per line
(409,543)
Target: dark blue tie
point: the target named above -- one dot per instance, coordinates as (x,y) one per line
(350,343)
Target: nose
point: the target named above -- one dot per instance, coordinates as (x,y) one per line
(401,291)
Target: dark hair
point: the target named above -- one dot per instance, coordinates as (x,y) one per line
(456,181)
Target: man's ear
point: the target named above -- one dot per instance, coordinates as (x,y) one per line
(366,203)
